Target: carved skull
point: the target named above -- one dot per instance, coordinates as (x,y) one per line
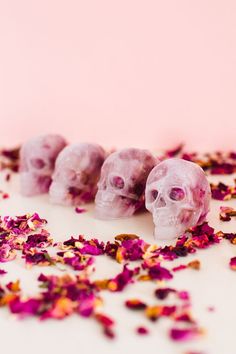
(76,174)
(37,160)
(122,183)
(178,195)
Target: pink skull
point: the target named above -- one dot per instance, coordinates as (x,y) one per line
(122,183)
(37,160)
(76,174)
(178,195)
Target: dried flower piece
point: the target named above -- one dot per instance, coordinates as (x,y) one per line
(179,267)
(183,295)
(177,334)
(229,236)
(232,263)
(153,312)
(226,213)
(14,286)
(80,210)
(121,280)
(40,258)
(162,293)
(157,272)
(217,163)
(7,253)
(4,195)
(24,307)
(75,259)
(107,324)
(9,159)
(142,330)
(194,264)
(92,247)
(135,304)
(221,191)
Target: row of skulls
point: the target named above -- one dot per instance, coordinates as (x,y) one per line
(175,191)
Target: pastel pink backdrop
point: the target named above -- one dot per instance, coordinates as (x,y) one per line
(128,72)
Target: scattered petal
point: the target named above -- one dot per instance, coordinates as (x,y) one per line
(232,263)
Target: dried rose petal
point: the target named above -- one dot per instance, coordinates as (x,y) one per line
(183,295)
(157,272)
(41,258)
(184,334)
(232,263)
(216,163)
(221,191)
(122,279)
(142,330)
(179,267)
(135,304)
(14,286)
(75,259)
(25,307)
(80,210)
(226,213)
(162,293)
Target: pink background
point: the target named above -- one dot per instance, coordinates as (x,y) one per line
(122,73)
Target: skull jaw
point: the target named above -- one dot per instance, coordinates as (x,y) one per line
(34,184)
(109,213)
(60,194)
(166,233)
(108,207)
(169,226)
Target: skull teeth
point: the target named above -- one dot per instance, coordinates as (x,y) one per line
(167,221)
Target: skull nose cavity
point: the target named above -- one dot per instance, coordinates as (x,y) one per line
(160,202)
(106,197)
(37,163)
(71,175)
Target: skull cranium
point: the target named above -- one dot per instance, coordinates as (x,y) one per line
(178,195)
(76,174)
(122,183)
(37,160)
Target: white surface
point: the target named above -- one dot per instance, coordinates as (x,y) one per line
(214,285)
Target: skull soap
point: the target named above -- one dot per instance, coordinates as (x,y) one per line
(37,160)
(76,174)
(122,183)
(178,195)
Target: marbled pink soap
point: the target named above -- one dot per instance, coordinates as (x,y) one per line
(37,161)
(178,196)
(76,174)
(122,183)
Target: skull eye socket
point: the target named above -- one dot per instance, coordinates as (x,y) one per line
(177,194)
(37,163)
(117,182)
(70,175)
(153,194)
(102,185)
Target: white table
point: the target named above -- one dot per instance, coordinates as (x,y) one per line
(214,285)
